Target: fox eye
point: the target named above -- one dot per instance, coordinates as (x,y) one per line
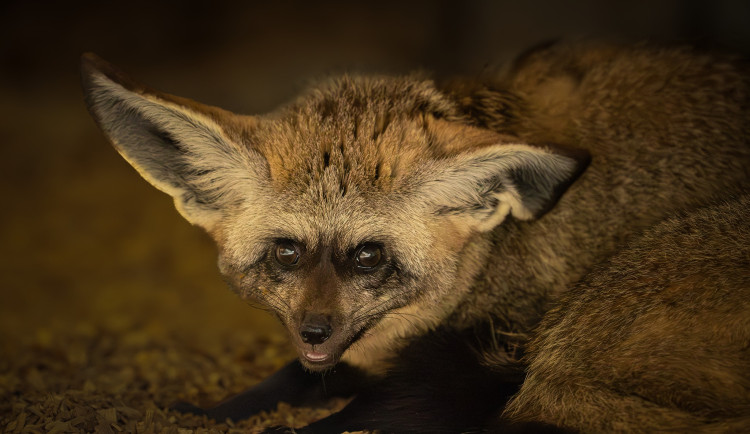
(287,253)
(368,256)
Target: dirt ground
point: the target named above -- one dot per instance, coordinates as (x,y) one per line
(111,306)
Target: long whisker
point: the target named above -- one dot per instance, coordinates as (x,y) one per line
(371,308)
(273,302)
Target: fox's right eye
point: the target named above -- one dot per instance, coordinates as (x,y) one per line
(287,254)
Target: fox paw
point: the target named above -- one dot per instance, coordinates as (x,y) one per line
(186,407)
(279,430)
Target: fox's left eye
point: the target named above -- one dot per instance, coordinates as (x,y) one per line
(368,256)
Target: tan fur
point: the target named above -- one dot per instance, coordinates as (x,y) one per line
(654,339)
(666,129)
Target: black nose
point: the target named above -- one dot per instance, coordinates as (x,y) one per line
(315,329)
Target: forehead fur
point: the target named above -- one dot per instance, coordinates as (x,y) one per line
(338,158)
(351,133)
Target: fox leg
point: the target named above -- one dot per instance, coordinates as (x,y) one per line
(439,385)
(292,384)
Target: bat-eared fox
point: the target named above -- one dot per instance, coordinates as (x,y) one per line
(561,243)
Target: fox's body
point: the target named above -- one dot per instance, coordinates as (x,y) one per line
(665,327)
(666,130)
(405,232)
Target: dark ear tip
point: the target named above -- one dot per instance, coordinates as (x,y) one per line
(89,60)
(581,156)
(582,159)
(92,65)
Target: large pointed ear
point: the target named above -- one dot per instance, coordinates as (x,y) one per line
(482,186)
(177,145)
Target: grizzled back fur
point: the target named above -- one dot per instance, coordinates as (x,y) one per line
(667,130)
(655,338)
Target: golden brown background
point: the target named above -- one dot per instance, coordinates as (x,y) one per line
(110,304)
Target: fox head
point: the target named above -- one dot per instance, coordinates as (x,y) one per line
(344,213)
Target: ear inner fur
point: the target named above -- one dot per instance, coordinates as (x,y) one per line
(182,152)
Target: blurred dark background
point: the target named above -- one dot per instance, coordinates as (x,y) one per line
(84,238)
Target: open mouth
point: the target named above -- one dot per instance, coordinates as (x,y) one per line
(322,356)
(316,360)
(316,357)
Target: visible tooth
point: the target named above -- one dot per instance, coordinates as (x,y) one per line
(315,356)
